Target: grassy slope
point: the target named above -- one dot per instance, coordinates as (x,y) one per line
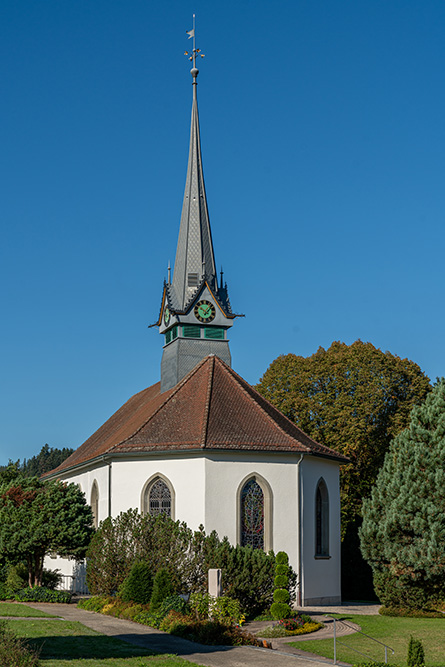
(70,644)
(394,632)
(14,609)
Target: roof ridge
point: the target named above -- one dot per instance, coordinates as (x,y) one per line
(207,402)
(174,391)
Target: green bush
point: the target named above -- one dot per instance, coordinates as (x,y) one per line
(51,578)
(174,603)
(281,569)
(162,589)
(407,593)
(280,610)
(138,585)
(13,651)
(282,558)
(95,603)
(280,581)
(416,654)
(41,594)
(281,595)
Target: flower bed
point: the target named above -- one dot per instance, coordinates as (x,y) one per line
(289,627)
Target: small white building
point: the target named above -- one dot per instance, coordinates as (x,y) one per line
(202,445)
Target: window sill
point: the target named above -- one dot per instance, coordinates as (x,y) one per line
(322,557)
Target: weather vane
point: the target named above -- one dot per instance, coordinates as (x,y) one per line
(195,52)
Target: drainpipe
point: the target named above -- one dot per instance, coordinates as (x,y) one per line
(300,533)
(109,489)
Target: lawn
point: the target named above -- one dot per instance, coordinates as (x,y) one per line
(71,644)
(394,632)
(14,609)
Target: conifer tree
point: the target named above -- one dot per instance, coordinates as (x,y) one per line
(403,531)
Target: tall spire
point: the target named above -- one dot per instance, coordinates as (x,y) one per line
(195,259)
(195,314)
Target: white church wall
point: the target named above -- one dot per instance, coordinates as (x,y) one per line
(185,474)
(225,473)
(320,575)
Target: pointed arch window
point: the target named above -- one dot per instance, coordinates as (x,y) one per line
(158,497)
(254,513)
(321,520)
(95,504)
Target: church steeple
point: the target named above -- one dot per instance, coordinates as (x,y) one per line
(195,259)
(195,311)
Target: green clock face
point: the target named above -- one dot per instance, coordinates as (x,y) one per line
(166,315)
(205,311)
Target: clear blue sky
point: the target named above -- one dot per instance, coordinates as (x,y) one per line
(323,137)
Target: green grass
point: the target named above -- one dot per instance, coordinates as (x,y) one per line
(71,644)
(14,609)
(394,632)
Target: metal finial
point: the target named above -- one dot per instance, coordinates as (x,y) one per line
(195,52)
(222,274)
(169,273)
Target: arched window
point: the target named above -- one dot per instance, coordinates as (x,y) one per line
(321,520)
(158,497)
(254,513)
(95,504)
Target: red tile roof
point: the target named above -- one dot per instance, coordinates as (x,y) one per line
(211,408)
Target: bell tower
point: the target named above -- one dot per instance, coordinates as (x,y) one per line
(195,314)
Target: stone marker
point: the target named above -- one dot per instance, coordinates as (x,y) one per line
(215,586)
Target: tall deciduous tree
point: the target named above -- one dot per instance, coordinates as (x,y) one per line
(352,398)
(403,530)
(37,518)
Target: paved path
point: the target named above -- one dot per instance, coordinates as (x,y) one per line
(161,642)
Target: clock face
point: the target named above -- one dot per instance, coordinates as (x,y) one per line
(166,315)
(205,311)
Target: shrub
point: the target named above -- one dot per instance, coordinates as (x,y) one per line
(162,588)
(225,610)
(51,578)
(280,610)
(95,603)
(13,651)
(281,569)
(138,585)
(416,654)
(281,596)
(174,603)
(199,605)
(42,594)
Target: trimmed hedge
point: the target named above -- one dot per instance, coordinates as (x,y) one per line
(42,594)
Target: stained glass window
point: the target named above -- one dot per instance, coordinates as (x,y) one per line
(252,515)
(321,520)
(159,500)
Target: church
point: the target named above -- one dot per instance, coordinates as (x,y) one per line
(202,445)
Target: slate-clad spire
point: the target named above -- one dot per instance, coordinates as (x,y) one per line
(195,258)
(195,315)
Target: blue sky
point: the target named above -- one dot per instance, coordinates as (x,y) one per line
(323,147)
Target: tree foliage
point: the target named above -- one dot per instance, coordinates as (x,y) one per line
(403,531)
(37,518)
(352,398)
(48,459)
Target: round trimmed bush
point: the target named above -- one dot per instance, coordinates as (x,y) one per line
(280,581)
(281,595)
(280,610)
(281,569)
(282,558)
(138,585)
